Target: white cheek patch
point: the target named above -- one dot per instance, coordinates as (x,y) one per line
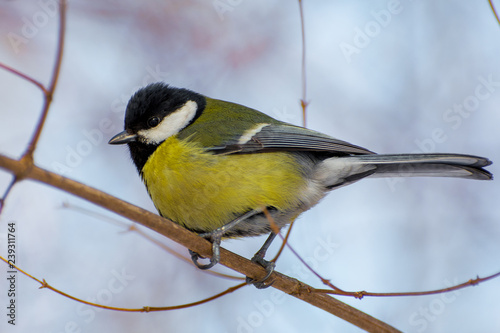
(248,134)
(171,124)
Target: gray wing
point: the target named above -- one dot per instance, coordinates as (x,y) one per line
(281,137)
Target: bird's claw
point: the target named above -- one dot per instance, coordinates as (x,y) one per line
(269,266)
(215,238)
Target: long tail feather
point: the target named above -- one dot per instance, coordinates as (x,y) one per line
(336,172)
(428,165)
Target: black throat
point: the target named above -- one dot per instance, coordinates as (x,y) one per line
(140,153)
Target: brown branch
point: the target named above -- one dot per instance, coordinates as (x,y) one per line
(198,244)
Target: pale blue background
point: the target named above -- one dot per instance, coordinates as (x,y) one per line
(414,235)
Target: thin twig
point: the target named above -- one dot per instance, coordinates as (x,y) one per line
(25,77)
(303,104)
(6,193)
(284,242)
(361,294)
(45,285)
(49,93)
(303,101)
(494,11)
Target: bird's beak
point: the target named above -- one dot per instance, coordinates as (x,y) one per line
(123,137)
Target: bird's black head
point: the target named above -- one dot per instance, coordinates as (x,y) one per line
(155,113)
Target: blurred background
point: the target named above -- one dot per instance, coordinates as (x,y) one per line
(392,76)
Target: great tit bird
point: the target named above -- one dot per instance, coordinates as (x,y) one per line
(213,166)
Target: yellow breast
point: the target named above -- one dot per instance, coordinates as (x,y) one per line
(202,191)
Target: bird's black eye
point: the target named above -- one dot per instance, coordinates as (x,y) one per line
(153,122)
